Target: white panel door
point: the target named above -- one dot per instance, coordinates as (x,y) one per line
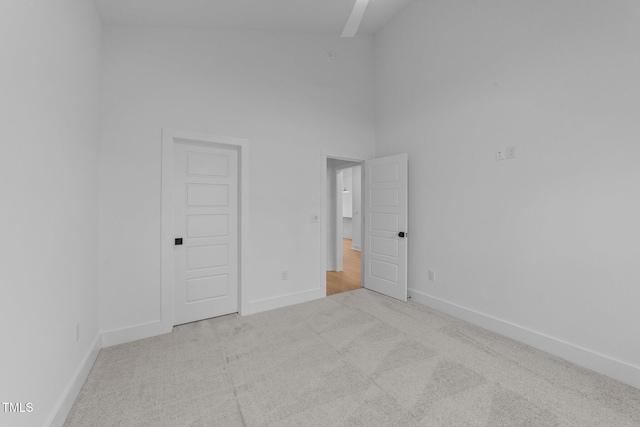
(206,219)
(385,225)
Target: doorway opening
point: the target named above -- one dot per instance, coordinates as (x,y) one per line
(344,245)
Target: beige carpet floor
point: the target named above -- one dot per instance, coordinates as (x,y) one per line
(353,359)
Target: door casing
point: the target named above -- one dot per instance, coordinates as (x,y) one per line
(169,138)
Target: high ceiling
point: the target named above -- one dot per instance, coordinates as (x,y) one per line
(329,16)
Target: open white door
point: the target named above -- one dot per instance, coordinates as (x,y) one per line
(385,225)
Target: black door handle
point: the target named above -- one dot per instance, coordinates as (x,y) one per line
(178,241)
(401,234)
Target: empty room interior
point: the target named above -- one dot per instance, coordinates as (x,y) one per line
(178,187)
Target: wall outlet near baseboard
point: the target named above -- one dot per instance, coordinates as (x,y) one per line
(77,332)
(285,275)
(432,275)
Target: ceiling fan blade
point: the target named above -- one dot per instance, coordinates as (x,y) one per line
(354,20)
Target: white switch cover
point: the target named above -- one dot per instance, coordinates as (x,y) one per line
(500,154)
(511,152)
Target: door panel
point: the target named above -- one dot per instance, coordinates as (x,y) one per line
(207,256)
(384,222)
(206,217)
(385,215)
(207,226)
(385,197)
(203,288)
(207,164)
(384,246)
(207,195)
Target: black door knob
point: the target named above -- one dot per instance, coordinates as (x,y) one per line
(401,234)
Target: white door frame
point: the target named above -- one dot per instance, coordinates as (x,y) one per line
(169,138)
(325,227)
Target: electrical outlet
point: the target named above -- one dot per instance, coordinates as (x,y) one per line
(511,152)
(500,155)
(285,275)
(77,332)
(313,218)
(432,275)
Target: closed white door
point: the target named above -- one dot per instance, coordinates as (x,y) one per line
(385,228)
(206,232)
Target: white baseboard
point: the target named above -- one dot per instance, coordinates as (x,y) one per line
(283,300)
(70,394)
(613,368)
(133,333)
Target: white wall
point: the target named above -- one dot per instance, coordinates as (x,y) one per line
(49,104)
(277,89)
(351,206)
(347,204)
(356,179)
(347,198)
(545,245)
(330,214)
(347,227)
